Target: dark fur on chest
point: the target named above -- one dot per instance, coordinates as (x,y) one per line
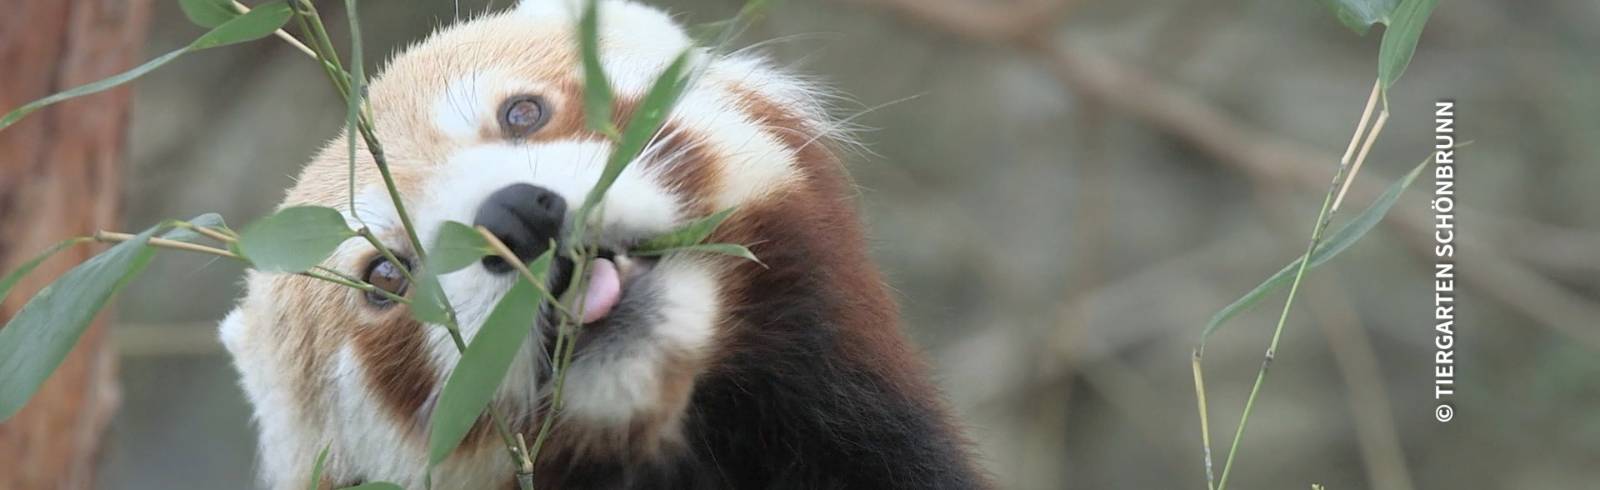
(793,415)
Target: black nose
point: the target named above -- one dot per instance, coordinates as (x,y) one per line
(525,217)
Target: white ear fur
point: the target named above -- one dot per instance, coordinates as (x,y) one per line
(550,8)
(271,397)
(626,19)
(232,328)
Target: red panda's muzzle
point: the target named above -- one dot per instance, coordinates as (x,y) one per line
(528,219)
(525,217)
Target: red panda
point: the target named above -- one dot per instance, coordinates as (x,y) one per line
(692,371)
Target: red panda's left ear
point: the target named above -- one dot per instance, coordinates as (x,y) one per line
(232,328)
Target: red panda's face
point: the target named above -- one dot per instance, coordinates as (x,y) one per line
(483,124)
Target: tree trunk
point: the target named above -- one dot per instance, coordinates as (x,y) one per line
(59,178)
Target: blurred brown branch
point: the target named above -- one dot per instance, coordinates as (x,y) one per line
(987,20)
(59,175)
(1171,110)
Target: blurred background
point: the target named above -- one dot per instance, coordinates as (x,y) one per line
(1062,192)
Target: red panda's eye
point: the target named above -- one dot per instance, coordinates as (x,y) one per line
(522,115)
(387,276)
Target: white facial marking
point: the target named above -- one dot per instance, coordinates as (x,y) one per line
(689,305)
(569,168)
(373,209)
(459,111)
(752,161)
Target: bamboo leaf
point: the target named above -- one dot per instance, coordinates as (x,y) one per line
(717,34)
(1336,243)
(644,124)
(692,233)
(41,334)
(210,220)
(294,239)
(353,99)
(472,384)
(259,23)
(88,89)
(428,304)
(597,96)
(180,233)
(456,246)
(11,280)
(1405,20)
(1360,15)
(711,248)
(316,469)
(208,13)
(707,34)
(1400,39)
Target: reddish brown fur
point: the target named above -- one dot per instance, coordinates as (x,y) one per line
(690,174)
(395,355)
(871,334)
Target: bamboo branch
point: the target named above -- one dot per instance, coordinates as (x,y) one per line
(104,236)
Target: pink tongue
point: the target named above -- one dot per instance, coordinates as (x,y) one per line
(605,288)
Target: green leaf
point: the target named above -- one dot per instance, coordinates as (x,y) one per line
(208,13)
(692,233)
(711,248)
(184,234)
(38,338)
(1336,243)
(353,103)
(718,33)
(1360,15)
(542,266)
(257,24)
(294,239)
(455,246)
(261,22)
(428,305)
(11,280)
(316,469)
(472,384)
(210,220)
(709,33)
(644,124)
(377,485)
(597,96)
(88,89)
(1400,39)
